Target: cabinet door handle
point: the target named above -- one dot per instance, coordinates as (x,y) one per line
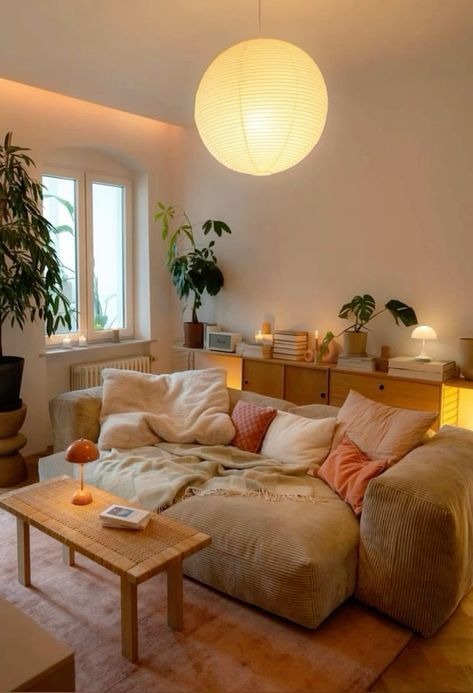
(381,387)
(322,395)
(245,382)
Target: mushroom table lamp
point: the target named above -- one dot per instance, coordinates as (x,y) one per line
(423,332)
(82,451)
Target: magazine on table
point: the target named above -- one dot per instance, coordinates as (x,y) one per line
(124,517)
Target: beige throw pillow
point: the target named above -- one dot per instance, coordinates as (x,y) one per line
(380,431)
(293,439)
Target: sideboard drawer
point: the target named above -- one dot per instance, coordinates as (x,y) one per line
(391,390)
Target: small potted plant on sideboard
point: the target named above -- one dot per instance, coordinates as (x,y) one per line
(362,308)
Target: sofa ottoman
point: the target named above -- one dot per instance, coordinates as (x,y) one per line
(295,559)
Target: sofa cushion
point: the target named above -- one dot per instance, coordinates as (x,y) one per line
(382,432)
(348,471)
(250,422)
(315,411)
(255,398)
(293,439)
(295,559)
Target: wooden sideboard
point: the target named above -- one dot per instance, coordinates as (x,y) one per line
(309,383)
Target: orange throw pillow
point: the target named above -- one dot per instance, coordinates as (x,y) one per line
(251,423)
(348,470)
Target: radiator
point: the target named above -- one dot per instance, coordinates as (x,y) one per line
(90,374)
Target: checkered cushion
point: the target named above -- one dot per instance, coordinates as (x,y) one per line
(251,423)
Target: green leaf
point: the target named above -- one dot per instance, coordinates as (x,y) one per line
(402,313)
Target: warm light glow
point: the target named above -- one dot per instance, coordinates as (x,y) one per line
(261,106)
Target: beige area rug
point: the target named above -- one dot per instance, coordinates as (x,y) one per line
(225,645)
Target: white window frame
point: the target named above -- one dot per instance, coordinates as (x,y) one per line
(84,180)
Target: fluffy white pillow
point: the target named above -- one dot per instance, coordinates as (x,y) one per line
(293,439)
(185,407)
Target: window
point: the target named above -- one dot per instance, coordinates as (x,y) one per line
(91,216)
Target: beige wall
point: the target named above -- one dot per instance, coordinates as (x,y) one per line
(383,205)
(48,123)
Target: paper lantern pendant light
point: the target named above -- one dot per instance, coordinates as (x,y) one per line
(261,106)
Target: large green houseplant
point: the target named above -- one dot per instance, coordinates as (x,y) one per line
(193,269)
(362,310)
(30,269)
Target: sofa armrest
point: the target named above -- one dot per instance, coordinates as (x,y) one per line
(75,415)
(416,533)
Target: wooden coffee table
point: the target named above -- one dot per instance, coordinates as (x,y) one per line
(135,556)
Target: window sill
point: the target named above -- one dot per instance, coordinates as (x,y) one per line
(94,346)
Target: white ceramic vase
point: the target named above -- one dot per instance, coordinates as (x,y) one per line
(466,357)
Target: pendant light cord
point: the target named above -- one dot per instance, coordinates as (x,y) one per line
(259,18)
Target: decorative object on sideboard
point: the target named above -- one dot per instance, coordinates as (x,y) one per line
(223,341)
(362,308)
(80,452)
(261,106)
(193,269)
(466,357)
(30,269)
(423,332)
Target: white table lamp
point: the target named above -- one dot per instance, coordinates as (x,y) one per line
(423,332)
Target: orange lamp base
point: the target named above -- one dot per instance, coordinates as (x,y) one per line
(82,497)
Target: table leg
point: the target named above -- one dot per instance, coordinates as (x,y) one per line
(68,555)
(129,620)
(23,548)
(175,594)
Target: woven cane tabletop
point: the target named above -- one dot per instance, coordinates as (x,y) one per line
(137,553)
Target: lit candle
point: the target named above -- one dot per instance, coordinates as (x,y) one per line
(82,341)
(66,342)
(316,346)
(259,337)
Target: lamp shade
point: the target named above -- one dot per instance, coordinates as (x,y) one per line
(82,451)
(261,106)
(423,332)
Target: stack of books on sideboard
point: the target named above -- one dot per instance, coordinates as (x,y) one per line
(361,362)
(408,367)
(290,345)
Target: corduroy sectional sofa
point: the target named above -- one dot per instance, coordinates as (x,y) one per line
(409,555)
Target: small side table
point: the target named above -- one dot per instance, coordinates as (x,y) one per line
(12,464)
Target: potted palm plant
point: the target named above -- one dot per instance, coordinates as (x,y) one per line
(30,269)
(193,269)
(362,308)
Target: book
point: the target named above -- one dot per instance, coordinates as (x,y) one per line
(409,363)
(291,336)
(262,351)
(288,357)
(422,375)
(124,517)
(289,348)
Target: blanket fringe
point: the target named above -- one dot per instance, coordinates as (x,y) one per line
(263,494)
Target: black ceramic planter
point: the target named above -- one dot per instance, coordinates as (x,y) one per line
(11,371)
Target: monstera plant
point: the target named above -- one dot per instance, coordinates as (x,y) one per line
(30,269)
(193,269)
(362,310)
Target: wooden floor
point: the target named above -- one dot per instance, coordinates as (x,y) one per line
(441,664)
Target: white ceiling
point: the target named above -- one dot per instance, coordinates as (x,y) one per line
(147,56)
